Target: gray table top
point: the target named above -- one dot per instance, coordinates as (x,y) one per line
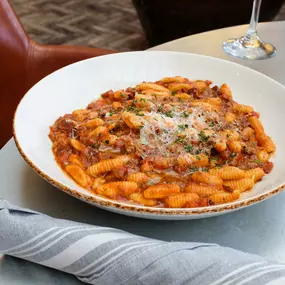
(258,229)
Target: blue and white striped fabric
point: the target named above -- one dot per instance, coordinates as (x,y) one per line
(107,256)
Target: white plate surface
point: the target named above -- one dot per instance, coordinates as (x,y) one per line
(74,86)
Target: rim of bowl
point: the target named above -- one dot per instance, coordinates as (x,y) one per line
(135,208)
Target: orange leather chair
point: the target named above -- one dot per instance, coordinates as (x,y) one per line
(24,62)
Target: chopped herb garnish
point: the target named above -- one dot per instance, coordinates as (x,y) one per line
(185,115)
(111,113)
(207,153)
(215,158)
(233,155)
(122,94)
(135,110)
(179,99)
(155,119)
(165,131)
(159,109)
(173,93)
(194,169)
(131,108)
(198,157)
(204,169)
(94,145)
(141,127)
(182,127)
(142,99)
(188,148)
(169,114)
(212,124)
(154,95)
(253,144)
(107,141)
(257,161)
(180,140)
(203,137)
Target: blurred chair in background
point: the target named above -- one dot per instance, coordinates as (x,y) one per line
(24,63)
(166,20)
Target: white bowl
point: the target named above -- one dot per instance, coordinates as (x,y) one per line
(74,86)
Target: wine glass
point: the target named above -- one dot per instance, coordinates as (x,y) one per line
(250,46)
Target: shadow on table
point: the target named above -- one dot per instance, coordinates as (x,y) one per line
(17,271)
(239,230)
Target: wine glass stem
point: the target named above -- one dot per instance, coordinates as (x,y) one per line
(252,31)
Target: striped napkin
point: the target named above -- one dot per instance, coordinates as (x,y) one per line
(107,256)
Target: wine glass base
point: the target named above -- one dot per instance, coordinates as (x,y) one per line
(247,48)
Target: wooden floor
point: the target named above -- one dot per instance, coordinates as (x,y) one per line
(99,23)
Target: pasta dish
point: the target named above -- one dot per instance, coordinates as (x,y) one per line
(175,143)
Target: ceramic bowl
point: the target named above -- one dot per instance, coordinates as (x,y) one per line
(74,86)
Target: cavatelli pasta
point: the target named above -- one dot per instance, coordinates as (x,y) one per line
(75,159)
(203,190)
(174,142)
(255,174)
(228,172)
(206,178)
(121,188)
(239,108)
(174,87)
(138,177)
(179,200)
(152,86)
(161,191)
(242,184)
(77,144)
(107,165)
(93,123)
(140,199)
(78,174)
(223,197)
(176,79)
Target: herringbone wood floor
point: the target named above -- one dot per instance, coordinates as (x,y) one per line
(98,23)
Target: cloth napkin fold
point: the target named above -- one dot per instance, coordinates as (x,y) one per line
(108,256)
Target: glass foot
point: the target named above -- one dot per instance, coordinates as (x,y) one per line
(249,48)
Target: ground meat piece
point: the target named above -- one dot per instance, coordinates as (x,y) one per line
(120,172)
(236,160)
(225,96)
(249,150)
(62,153)
(215,92)
(65,124)
(225,154)
(96,105)
(119,143)
(108,94)
(206,93)
(61,139)
(268,167)
(194,92)
(130,92)
(255,114)
(89,156)
(179,169)
(127,143)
